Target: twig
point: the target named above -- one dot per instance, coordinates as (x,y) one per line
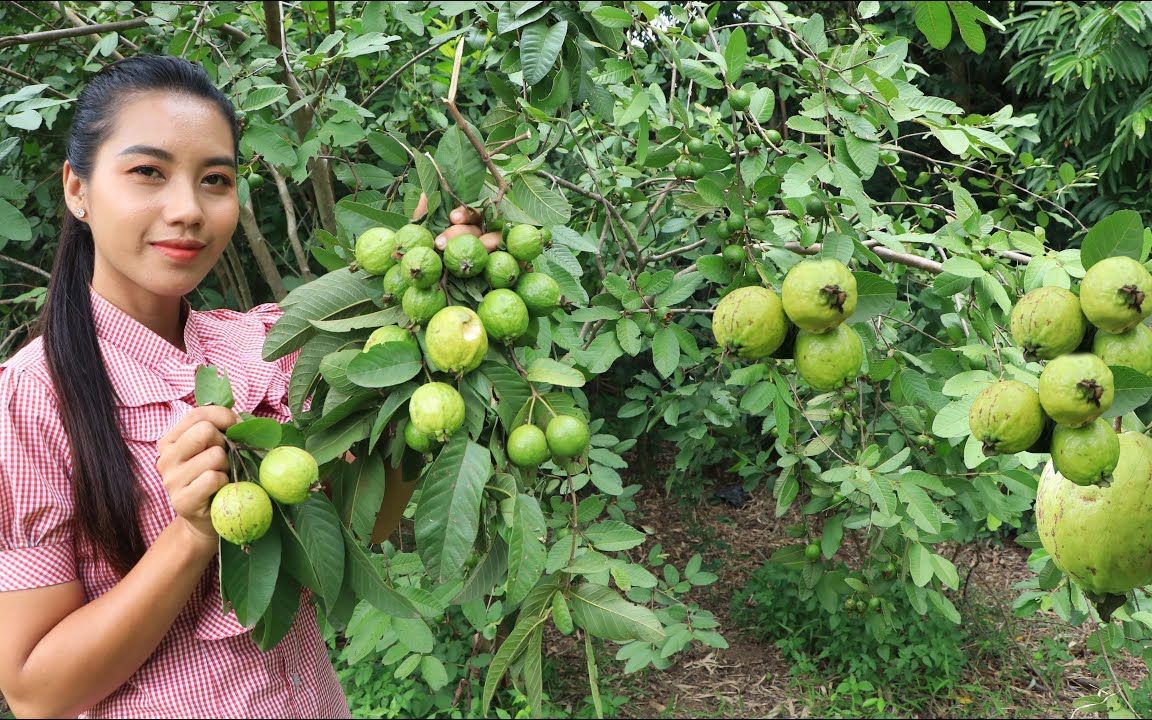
(450,102)
(600,199)
(290,218)
(81,28)
(31,81)
(25,265)
(442,40)
(259,248)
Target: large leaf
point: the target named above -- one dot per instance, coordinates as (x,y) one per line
(525,549)
(540,45)
(1121,233)
(1133,390)
(248,579)
(512,391)
(340,293)
(367,583)
(532,200)
(306,371)
(386,364)
(461,165)
(277,620)
(357,491)
(316,541)
(604,614)
(447,517)
(933,20)
(518,640)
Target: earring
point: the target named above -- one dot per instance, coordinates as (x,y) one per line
(80,212)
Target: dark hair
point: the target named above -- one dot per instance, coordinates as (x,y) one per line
(104,482)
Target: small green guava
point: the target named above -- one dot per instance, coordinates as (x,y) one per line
(504,314)
(421,305)
(1131,348)
(241,512)
(1085,455)
(525,242)
(465,256)
(567,436)
(386,334)
(502,270)
(1006,417)
(750,322)
(818,295)
(288,474)
(374,249)
(527,446)
(1047,322)
(456,340)
(423,267)
(1114,294)
(1075,389)
(540,293)
(829,360)
(436,409)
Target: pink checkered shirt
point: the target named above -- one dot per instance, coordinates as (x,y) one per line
(207,665)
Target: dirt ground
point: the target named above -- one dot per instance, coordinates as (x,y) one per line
(751,679)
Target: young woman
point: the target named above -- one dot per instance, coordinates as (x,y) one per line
(109,597)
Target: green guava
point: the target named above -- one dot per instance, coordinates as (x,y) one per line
(456,340)
(420,305)
(1114,294)
(1006,417)
(417,440)
(1076,389)
(1085,455)
(422,266)
(374,250)
(1131,348)
(241,512)
(527,446)
(818,295)
(1101,536)
(386,334)
(750,321)
(1047,322)
(502,270)
(288,474)
(829,360)
(540,293)
(412,236)
(504,314)
(567,436)
(396,282)
(437,410)
(525,242)
(465,256)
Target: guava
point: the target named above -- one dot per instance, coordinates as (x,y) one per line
(420,305)
(829,360)
(1047,322)
(241,512)
(396,282)
(423,267)
(1075,389)
(465,256)
(1131,348)
(733,255)
(1114,294)
(374,249)
(502,270)
(525,242)
(527,446)
(437,410)
(567,436)
(1101,536)
(412,236)
(750,321)
(386,334)
(1006,417)
(288,474)
(417,440)
(1085,455)
(540,293)
(456,340)
(818,295)
(740,99)
(504,314)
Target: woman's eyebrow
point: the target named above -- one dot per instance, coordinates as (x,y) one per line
(162,154)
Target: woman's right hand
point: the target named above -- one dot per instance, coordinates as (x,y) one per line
(193,464)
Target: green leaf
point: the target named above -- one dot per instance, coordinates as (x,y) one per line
(933,20)
(614,535)
(970,30)
(433,672)
(461,165)
(525,549)
(518,640)
(540,45)
(213,387)
(952,419)
(604,614)
(259,432)
(263,97)
(865,154)
(265,141)
(366,582)
(1120,233)
(248,578)
(547,370)
(337,294)
(537,202)
(1132,390)
(277,620)
(736,55)
(316,527)
(639,105)
(357,491)
(920,564)
(386,365)
(920,507)
(695,71)
(13,225)
(447,517)
(875,296)
(612,17)
(665,351)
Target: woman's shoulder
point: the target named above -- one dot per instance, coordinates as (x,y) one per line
(26,371)
(265,315)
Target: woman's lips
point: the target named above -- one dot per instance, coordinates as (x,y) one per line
(180,254)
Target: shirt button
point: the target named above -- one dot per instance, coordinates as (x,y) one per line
(295,680)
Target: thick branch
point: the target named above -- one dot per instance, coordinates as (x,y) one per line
(79,30)
(25,265)
(450,102)
(259,247)
(30,81)
(882,252)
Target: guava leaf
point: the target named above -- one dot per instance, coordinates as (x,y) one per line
(213,387)
(259,432)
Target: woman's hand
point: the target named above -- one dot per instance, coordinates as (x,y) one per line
(193,464)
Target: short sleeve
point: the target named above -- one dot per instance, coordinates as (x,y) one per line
(37,546)
(269,314)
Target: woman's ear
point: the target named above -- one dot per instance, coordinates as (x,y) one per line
(74,191)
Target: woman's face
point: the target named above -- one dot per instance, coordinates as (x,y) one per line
(161,199)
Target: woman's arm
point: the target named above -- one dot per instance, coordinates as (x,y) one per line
(61,656)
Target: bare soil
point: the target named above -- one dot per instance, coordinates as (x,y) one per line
(752,679)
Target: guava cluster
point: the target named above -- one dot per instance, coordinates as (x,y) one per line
(419,277)
(816,297)
(241,511)
(1093,511)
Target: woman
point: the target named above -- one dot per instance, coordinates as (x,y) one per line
(109,597)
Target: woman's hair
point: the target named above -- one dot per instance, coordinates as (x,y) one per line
(104,481)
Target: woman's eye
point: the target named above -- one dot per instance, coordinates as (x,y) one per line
(220,180)
(147,171)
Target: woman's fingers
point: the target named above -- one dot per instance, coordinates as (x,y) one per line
(454,230)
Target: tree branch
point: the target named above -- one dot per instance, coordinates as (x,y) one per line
(259,247)
(81,28)
(443,39)
(290,218)
(25,265)
(600,199)
(450,102)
